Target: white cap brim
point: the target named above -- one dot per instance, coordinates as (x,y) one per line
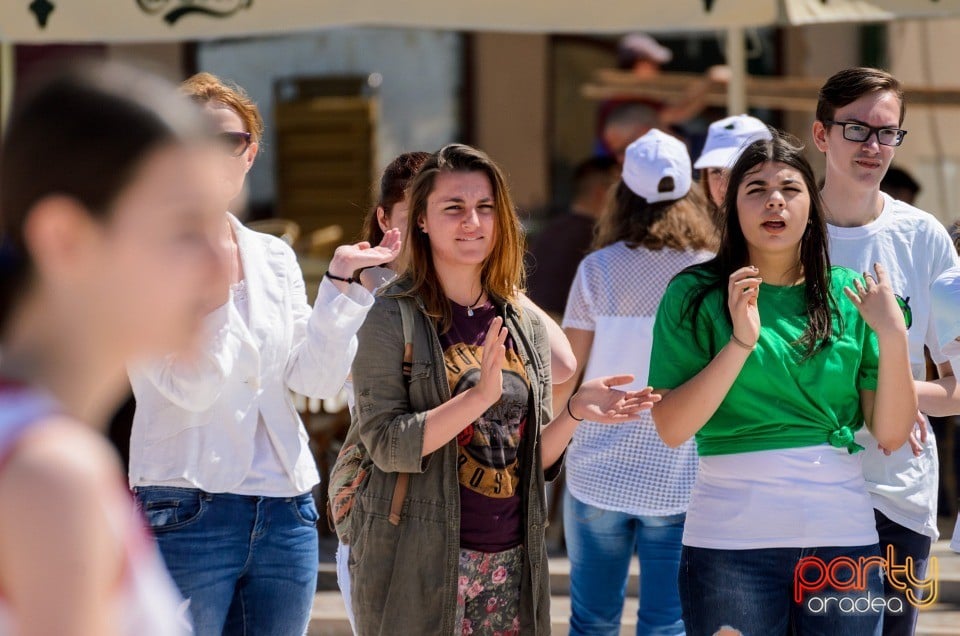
(717,158)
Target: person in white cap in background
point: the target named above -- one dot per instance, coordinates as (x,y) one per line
(726,139)
(627,492)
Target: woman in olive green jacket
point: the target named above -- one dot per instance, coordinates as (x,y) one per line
(458,546)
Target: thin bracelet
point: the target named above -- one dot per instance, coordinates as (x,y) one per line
(579,419)
(340,278)
(741,343)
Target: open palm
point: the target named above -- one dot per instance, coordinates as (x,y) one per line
(598,401)
(350,258)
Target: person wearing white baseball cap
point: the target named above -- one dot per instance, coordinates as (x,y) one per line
(726,139)
(627,492)
(657,167)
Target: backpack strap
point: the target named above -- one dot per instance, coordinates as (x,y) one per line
(406,319)
(403,479)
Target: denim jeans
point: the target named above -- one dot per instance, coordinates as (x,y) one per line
(752,591)
(601,543)
(906,543)
(248,565)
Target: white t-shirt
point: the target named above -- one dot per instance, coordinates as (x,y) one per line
(792,498)
(915,249)
(945,297)
(626,467)
(946,318)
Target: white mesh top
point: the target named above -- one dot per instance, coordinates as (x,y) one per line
(626,467)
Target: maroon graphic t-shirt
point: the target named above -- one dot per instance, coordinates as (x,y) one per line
(489,448)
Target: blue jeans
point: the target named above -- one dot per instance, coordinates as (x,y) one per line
(906,543)
(752,591)
(248,565)
(601,543)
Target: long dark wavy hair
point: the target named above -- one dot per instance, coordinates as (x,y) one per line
(733,253)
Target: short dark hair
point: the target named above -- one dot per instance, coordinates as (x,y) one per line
(850,84)
(589,171)
(900,178)
(630,113)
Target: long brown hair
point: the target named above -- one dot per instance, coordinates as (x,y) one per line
(393,189)
(502,275)
(679,224)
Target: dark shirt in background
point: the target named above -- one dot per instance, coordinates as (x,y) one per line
(553,260)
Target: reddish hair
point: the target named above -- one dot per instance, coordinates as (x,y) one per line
(206,87)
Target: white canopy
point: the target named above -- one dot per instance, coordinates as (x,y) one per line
(29,21)
(816,11)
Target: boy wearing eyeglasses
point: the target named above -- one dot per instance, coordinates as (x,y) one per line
(858,127)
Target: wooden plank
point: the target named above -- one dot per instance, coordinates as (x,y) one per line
(300,171)
(788,93)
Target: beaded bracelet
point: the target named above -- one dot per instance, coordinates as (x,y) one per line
(340,278)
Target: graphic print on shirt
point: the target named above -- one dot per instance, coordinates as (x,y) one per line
(904,305)
(489,461)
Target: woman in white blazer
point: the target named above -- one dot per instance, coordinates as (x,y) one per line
(219,458)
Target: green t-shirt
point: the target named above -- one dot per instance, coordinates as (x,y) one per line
(779,400)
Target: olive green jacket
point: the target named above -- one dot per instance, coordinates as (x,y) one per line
(404,577)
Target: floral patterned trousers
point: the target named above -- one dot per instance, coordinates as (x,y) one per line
(488,593)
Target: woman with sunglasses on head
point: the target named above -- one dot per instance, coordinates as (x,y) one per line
(107,251)
(773,359)
(219,458)
(463,548)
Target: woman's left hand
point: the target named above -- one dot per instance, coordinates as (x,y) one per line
(598,401)
(349,258)
(877,304)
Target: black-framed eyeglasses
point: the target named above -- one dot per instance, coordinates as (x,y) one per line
(855,131)
(235,143)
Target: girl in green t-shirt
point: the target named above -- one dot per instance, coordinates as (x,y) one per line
(772,359)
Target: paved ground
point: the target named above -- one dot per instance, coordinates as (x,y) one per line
(943,619)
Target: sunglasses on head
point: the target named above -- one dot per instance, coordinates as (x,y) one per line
(235,143)
(855,131)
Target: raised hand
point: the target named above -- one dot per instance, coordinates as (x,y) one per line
(349,258)
(490,385)
(877,304)
(743,290)
(598,401)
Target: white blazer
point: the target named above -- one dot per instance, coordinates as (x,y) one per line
(196,417)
